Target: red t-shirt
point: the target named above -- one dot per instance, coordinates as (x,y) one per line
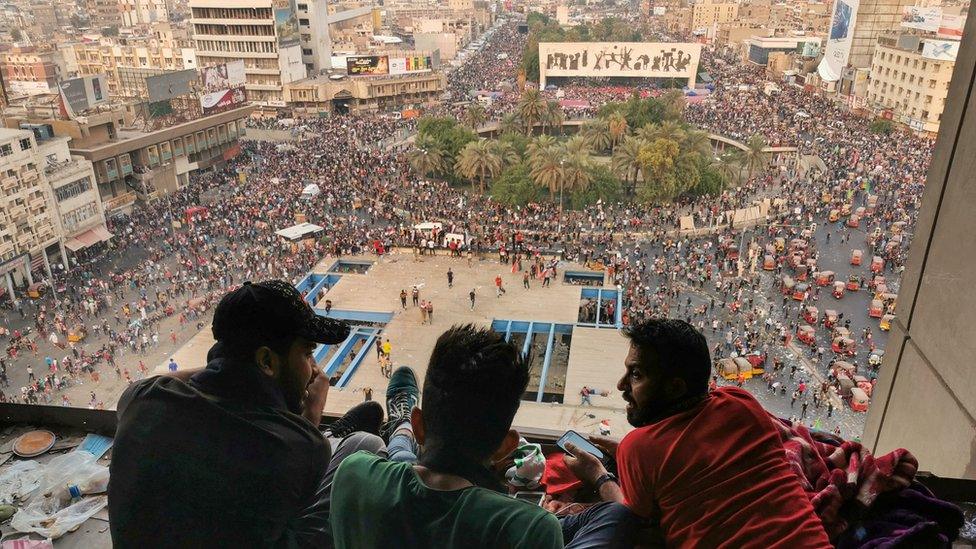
(717,475)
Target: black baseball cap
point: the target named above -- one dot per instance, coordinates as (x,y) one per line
(272,309)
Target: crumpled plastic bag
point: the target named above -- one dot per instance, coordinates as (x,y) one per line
(43,515)
(529,465)
(19,481)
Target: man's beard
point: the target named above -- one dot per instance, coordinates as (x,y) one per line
(659,408)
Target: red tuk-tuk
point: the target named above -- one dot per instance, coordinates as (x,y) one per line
(788,285)
(830,318)
(798,245)
(732,252)
(872,204)
(825,278)
(800,291)
(853,283)
(839,289)
(840,331)
(859,400)
(853,221)
(844,368)
(876,281)
(806,334)
(801,272)
(865,384)
(856,257)
(811,315)
(876,308)
(769,263)
(758,361)
(877,264)
(844,346)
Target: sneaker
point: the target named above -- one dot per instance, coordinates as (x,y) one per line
(365,416)
(402,395)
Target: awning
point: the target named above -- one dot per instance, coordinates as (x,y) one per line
(298,231)
(87,238)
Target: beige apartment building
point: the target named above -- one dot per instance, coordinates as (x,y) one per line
(706,14)
(321,94)
(874,18)
(907,84)
(114,61)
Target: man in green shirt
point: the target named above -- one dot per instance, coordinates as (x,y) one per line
(452,496)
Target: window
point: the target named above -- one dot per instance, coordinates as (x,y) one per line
(303,7)
(303,22)
(7,150)
(306,51)
(73,189)
(25,144)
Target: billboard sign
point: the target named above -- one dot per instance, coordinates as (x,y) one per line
(926,19)
(411,64)
(286,23)
(367,65)
(79,94)
(223,86)
(940,50)
(838,49)
(171,85)
(808,49)
(951,26)
(625,59)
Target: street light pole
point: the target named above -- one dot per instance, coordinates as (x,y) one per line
(562,182)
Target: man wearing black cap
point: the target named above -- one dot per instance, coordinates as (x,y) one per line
(231,455)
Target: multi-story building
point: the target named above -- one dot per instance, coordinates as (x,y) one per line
(909,80)
(365,93)
(755,12)
(143,12)
(227,30)
(28,231)
(874,17)
(29,70)
(313,16)
(104,13)
(114,60)
(707,13)
(46,19)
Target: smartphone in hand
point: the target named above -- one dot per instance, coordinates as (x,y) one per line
(578,440)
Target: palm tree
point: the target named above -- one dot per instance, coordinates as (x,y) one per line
(755,156)
(505,152)
(617,128)
(547,169)
(531,107)
(697,142)
(554,116)
(578,144)
(596,133)
(478,160)
(474,116)
(576,171)
(729,165)
(648,132)
(510,123)
(674,104)
(626,160)
(427,157)
(539,144)
(670,129)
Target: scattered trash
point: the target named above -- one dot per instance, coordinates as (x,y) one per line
(95,445)
(19,481)
(34,443)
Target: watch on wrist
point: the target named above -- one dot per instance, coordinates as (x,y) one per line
(605,478)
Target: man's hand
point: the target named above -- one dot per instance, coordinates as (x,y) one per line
(315,395)
(584,465)
(606,444)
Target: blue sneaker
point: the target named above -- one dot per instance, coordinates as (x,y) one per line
(402,396)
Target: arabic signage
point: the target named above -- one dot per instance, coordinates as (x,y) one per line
(926,19)
(633,59)
(223,86)
(940,50)
(838,49)
(951,26)
(367,65)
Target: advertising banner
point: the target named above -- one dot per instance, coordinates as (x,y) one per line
(838,49)
(633,59)
(367,65)
(808,49)
(404,65)
(951,26)
(926,19)
(940,50)
(223,86)
(286,23)
(74,94)
(171,85)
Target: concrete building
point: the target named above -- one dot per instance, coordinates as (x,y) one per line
(104,13)
(365,93)
(47,20)
(29,70)
(759,48)
(113,60)
(28,230)
(245,29)
(874,17)
(313,16)
(907,84)
(707,13)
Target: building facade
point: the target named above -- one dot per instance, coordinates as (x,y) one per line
(113,60)
(874,18)
(245,29)
(907,84)
(706,14)
(31,71)
(365,93)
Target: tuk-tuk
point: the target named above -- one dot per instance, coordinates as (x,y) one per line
(853,283)
(35,290)
(769,263)
(841,331)
(843,346)
(826,197)
(845,209)
(806,334)
(844,386)
(876,357)
(800,291)
(744,367)
(802,272)
(856,256)
(830,318)
(825,278)
(834,215)
(854,221)
(859,400)
(788,285)
(889,301)
(872,204)
(758,361)
(844,368)
(877,264)
(876,308)
(780,243)
(865,384)
(811,315)
(839,288)
(78,333)
(885,323)
(727,368)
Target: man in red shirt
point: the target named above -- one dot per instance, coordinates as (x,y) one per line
(708,468)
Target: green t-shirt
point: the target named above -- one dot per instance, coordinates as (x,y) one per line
(379,503)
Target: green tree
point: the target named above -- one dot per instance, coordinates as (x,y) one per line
(474,115)
(617,128)
(882,126)
(576,171)
(532,108)
(505,152)
(547,169)
(729,165)
(515,187)
(553,118)
(448,136)
(603,186)
(579,143)
(597,134)
(478,161)
(510,123)
(755,156)
(697,142)
(427,157)
(539,144)
(626,161)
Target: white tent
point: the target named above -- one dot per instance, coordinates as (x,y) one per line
(301,230)
(428,226)
(311,190)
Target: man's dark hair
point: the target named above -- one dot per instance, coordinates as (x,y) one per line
(473,387)
(681,350)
